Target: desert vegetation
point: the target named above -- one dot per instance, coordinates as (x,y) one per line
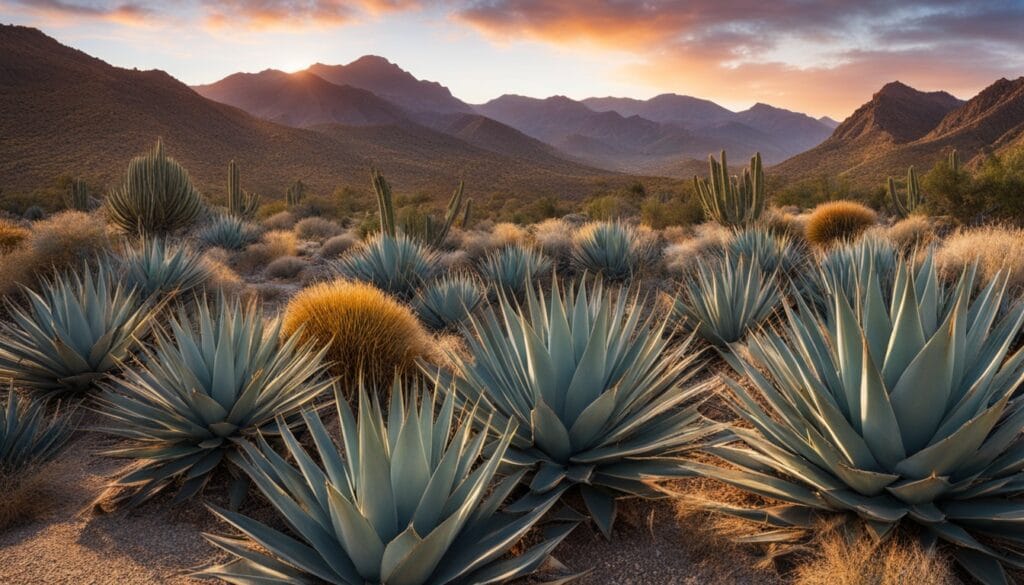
(421,395)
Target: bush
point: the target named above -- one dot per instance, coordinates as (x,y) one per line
(708,238)
(366,331)
(286,267)
(993,248)
(838,221)
(62,242)
(316,228)
(157,196)
(913,233)
(337,245)
(280,243)
(660,213)
(208,384)
(282,220)
(11,235)
(228,232)
(554,237)
(396,264)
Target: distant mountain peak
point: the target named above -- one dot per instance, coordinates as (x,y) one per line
(391,82)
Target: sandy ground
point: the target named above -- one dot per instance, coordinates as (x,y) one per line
(156,543)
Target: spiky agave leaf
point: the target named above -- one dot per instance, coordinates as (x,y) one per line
(158,268)
(899,411)
(725,298)
(28,436)
(229,232)
(73,332)
(397,264)
(412,502)
(511,269)
(602,400)
(612,249)
(846,264)
(206,384)
(448,301)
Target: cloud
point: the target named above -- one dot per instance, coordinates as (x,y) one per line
(130,13)
(824,57)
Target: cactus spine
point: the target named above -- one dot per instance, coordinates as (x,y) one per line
(77,197)
(906,205)
(241,204)
(157,196)
(293,198)
(732,201)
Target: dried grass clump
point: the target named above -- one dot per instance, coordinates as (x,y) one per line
(280,243)
(224,279)
(914,232)
(282,220)
(338,245)
(28,495)
(60,242)
(554,237)
(838,561)
(994,248)
(506,234)
(838,221)
(365,329)
(708,238)
(11,235)
(788,223)
(317,228)
(286,267)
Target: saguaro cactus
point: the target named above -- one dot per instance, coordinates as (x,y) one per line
(295,193)
(906,205)
(77,197)
(242,204)
(732,201)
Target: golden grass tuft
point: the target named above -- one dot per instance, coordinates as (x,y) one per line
(897,561)
(11,235)
(337,245)
(29,495)
(914,232)
(994,248)
(316,228)
(365,329)
(62,241)
(280,243)
(679,257)
(554,237)
(838,221)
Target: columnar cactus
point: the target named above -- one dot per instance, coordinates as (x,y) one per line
(295,193)
(77,197)
(242,204)
(729,200)
(906,205)
(157,196)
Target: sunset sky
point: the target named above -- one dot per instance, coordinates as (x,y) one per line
(821,57)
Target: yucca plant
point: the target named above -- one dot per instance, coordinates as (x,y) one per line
(229,232)
(602,400)
(396,264)
(72,333)
(890,417)
(162,270)
(207,384)
(611,249)
(28,435)
(448,301)
(774,252)
(725,298)
(512,269)
(157,196)
(413,502)
(729,200)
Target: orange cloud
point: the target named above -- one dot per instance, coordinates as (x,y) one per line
(294,14)
(61,11)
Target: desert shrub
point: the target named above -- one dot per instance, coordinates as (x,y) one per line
(34,213)
(11,235)
(366,332)
(398,264)
(660,213)
(351,513)
(512,269)
(612,249)
(337,245)
(787,222)
(448,301)
(602,403)
(865,413)
(157,196)
(993,248)
(76,330)
(913,233)
(725,298)
(554,237)
(228,232)
(838,221)
(286,267)
(280,243)
(207,384)
(847,560)
(29,438)
(316,228)
(709,238)
(282,220)
(157,268)
(63,241)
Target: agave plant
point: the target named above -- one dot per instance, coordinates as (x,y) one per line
(28,436)
(776,253)
(601,399)
(188,402)
(397,264)
(612,249)
(845,264)
(512,269)
(412,503)
(725,298)
(229,232)
(159,269)
(72,333)
(448,301)
(883,412)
